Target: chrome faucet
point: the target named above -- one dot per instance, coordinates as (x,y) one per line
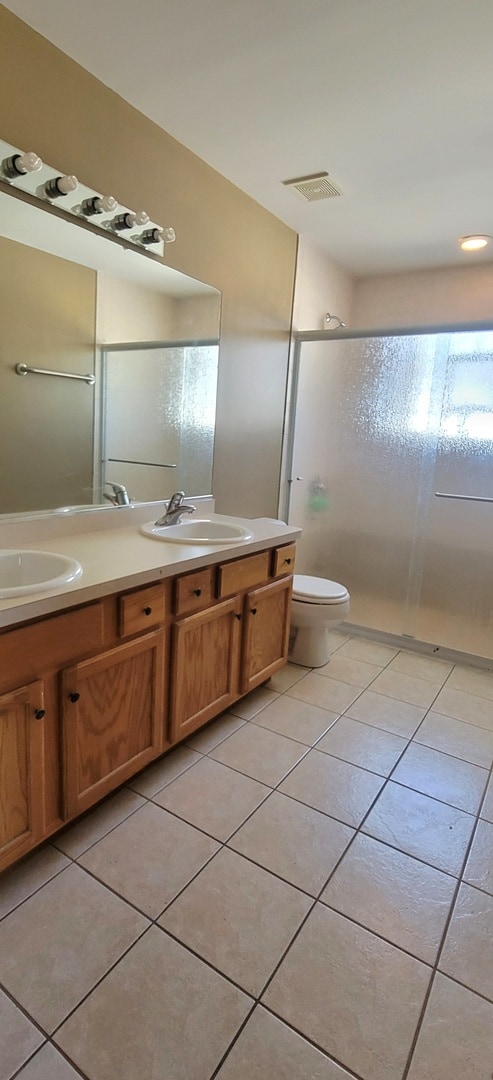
(175,508)
(119,496)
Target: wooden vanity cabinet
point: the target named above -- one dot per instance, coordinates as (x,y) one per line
(30,764)
(21,779)
(265,632)
(80,712)
(205,661)
(112,719)
(84,698)
(220,653)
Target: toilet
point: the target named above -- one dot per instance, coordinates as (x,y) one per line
(317,606)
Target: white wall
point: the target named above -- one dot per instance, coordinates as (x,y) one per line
(321,286)
(424,298)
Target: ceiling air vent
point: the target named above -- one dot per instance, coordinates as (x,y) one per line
(316,186)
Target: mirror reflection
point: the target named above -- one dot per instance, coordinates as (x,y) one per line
(76,303)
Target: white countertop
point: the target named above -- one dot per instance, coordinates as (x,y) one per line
(119,558)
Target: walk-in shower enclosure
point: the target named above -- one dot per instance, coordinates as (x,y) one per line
(391,437)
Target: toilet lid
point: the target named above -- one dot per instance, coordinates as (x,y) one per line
(316,590)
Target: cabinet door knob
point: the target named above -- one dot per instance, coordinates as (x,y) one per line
(237,616)
(287,561)
(39,713)
(197,592)
(253,610)
(74,697)
(147,611)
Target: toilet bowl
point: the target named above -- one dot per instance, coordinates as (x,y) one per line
(317,606)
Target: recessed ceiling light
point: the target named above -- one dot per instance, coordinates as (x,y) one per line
(474,243)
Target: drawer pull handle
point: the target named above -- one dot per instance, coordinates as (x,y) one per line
(253,610)
(287,561)
(197,592)
(39,713)
(74,697)
(147,611)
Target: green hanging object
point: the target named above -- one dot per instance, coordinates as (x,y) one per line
(318,499)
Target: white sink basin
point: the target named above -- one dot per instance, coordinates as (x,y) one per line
(23,572)
(202,531)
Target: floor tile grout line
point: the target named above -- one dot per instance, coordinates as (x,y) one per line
(332,817)
(208,727)
(73,859)
(74,824)
(443,802)
(150,798)
(163,757)
(31,1057)
(69,1060)
(22,1009)
(311,909)
(38,887)
(154,921)
(359,828)
(311,1042)
(436,967)
(233,1042)
(52,1034)
(256,999)
(385,667)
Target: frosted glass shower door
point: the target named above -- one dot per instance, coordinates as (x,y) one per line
(159,416)
(356,434)
(381,425)
(456,601)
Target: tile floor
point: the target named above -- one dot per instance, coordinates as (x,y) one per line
(304,891)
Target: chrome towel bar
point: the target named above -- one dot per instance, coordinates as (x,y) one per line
(466,498)
(23,369)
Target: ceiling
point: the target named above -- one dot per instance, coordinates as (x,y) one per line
(393,98)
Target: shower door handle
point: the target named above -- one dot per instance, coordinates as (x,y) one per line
(465,498)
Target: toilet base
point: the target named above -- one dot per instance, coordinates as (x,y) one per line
(310,647)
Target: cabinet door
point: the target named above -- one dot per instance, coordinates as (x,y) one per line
(113,709)
(21,771)
(266,632)
(204,666)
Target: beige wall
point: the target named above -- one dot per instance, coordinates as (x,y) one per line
(223,237)
(447,296)
(424,298)
(47,316)
(127,312)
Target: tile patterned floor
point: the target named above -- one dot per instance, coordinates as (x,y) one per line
(304,891)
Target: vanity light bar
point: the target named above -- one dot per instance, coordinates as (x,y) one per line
(27,172)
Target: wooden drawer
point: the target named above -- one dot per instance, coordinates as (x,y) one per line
(31,651)
(194,591)
(243,573)
(283,560)
(142,610)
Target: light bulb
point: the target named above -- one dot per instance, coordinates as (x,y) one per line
(141,217)
(129,219)
(151,236)
(98,204)
(474,243)
(122,222)
(169,235)
(20,164)
(60,185)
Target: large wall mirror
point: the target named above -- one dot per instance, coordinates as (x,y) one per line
(76,303)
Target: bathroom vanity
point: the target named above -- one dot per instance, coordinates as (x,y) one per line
(149,644)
